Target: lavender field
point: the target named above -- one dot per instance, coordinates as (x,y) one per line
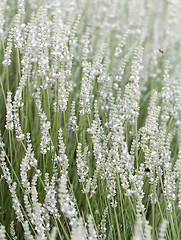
(90,119)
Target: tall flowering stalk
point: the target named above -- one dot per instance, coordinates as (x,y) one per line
(2,8)
(44,124)
(130,107)
(9,115)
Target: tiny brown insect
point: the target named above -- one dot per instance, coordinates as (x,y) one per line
(147,170)
(160,50)
(52,87)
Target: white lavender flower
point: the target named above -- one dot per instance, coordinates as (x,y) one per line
(102,225)
(50,202)
(110,170)
(92,231)
(177,170)
(2,8)
(169,185)
(121,162)
(38,210)
(9,114)
(44,124)
(149,136)
(66,202)
(97,133)
(59,50)
(16,204)
(166,96)
(53,233)
(12,231)
(42,43)
(27,232)
(73,118)
(104,72)
(26,68)
(17,126)
(2,232)
(63,92)
(21,7)
(72,42)
(85,92)
(27,205)
(147,231)
(138,232)
(62,158)
(5,170)
(27,162)
(139,193)
(130,106)
(86,47)
(119,50)
(8,51)
(82,166)
(97,62)
(122,66)
(162,230)
(17,33)
(79,231)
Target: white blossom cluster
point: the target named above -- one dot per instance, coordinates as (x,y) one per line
(21,7)
(92,231)
(79,231)
(82,166)
(97,133)
(27,162)
(166,96)
(37,210)
(44,124)
(12,231)
(142,230)
(5,170)
(9,113)
(73,118)
(63,92)
(42,42)
(62,157)
(2,232)
(139,191)
(2,8)
(50,202)
(66,202)
(15,203)
(8,51)
(130,106)
(118,50)
(149,136)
